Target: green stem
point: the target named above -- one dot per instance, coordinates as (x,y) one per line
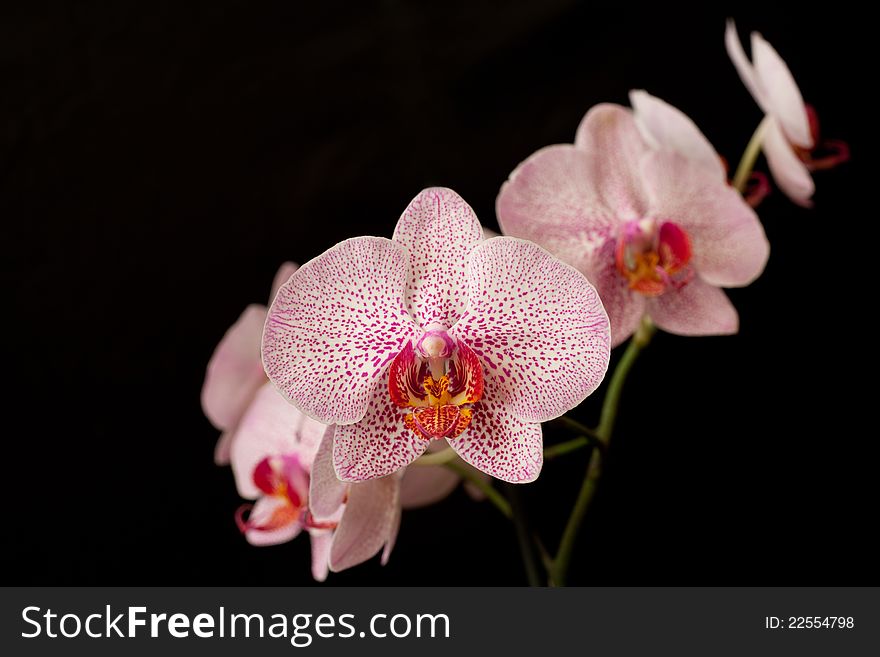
(594,471)
(574,426)
(749,156)
(568,446)
(472,476)
(526,546)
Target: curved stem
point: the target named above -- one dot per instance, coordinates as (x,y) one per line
(575,427)
(472,476)
(594,470)
(526,545)
(749,156)
(568,446)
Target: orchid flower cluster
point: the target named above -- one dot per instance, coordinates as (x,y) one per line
(385,372)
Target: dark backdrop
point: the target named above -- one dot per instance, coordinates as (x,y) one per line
(159,160)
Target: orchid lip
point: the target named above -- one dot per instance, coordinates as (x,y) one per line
(437,389)
(654,256)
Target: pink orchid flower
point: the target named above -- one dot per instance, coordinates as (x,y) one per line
(436,334)
(271,447)
(667,128)
(790,127)
(275,458)
(658,232)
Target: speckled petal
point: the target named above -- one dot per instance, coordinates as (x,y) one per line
(234,371)
(498,443)
(783,96)
(377,445)
(335,325)
(550,200)
(271,427)
(727,239)
(439,230)
(322,541)
(696,309)
(285,271)
(668,128)
(788,171)
(366,523)
(326,492)
(537,326)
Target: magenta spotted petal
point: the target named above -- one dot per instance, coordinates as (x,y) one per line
(644,219)
(335,325)
(437,334)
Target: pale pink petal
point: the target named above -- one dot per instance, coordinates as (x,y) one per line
(234,371)
(271,427)
(439,230)
(537,326)
(610,135)
(728,241)
(784,99)
(498,443)
(326,492)
(488,233)
(696,309)
(221,450)
(624,306)
(377,445)
(335,325)
(743,66)
(262,511)
(322,541)
(550,200)
(426,484)
(788,171)
(285,271)
(367,522)
(392,532)
(668,128)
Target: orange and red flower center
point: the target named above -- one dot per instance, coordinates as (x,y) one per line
(654,258)
(437,382)
(285,481)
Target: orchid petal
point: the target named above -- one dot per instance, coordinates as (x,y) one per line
(262,514)
(783,96)
(743,66)
(392,532)
(439,230)
(788,171)
(367,522)
(285,271)
(424,485)
(668,128)
(624,306)
(270,427)
(322,541)
(221,449)
(326,492)
(234,372)
(335,325)
(698,308)
(537,326)
(377,445)
(499,443)
(727,239)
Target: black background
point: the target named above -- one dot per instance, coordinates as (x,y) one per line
(160,160)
